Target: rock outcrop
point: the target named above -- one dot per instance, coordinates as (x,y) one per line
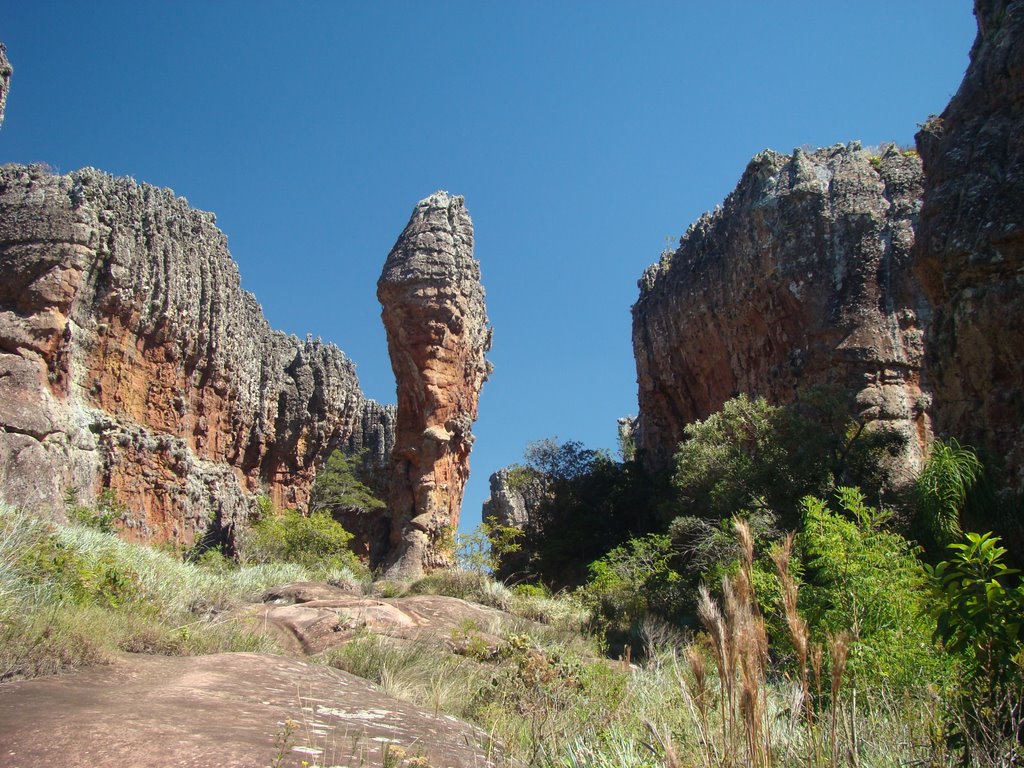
(438,334)
(970,244)
(226,710)
(801,279)
(131,359)
(5,80)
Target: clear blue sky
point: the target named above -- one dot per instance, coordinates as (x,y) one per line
(582,134)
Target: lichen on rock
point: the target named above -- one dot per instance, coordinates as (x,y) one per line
(438,333)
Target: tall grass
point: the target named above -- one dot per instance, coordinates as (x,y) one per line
(71,596)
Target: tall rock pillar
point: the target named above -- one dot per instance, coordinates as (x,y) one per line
(5,80)
(437,330)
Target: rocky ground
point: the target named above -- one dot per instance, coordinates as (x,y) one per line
(249,709)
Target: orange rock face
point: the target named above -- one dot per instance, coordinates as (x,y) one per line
(436,322)
(131,359)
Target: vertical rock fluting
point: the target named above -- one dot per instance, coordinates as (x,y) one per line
(5,80)
(970,244)
(802,278)
(131,359)
(438,334)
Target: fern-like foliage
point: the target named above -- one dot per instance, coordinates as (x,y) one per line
(950,473)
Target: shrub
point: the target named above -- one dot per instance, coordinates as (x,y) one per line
(102,516)
(980,615)
(862,577)
(752,456)
(942,488)
(632,580)
(315,541)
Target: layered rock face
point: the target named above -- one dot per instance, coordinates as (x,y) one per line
(131,359)
(5,80)
(438,334)
(802,278)
(970,244)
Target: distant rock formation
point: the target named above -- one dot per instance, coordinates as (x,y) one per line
(438,334)
(802,278)
(131,359)
(5,80)
(970,244)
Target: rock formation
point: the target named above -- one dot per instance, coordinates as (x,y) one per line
(802,278)
(131,359)
(436,322)
(226,710)
(5,80)
(970,244)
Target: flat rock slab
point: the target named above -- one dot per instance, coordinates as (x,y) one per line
(321,623)
(221,711)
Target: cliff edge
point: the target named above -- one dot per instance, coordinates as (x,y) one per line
(131,359)
(802,278)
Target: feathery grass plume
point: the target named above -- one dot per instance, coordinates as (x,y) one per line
(718,640)
(839,651)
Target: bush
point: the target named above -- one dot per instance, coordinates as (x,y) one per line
(315,541)
(632,580)
(865,578)
(980,616)
(753,456)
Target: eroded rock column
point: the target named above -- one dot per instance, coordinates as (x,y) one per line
(438,334)
(5,80)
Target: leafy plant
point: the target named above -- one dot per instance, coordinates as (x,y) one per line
(979,614)
(338,490)
(942,488)
(316,541)
(103,515)
(863,577)
(631,580)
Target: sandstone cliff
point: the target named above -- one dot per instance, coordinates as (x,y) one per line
(436,322)
(131,359)
(970,244)
(802,278)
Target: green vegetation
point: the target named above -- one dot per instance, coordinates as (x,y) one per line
(338,490)
(778,562)
(316,542)
(763,605)
(72,595)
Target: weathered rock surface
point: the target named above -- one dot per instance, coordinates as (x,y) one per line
(327,621)
(220,711)
(131,359)
(802,278)
(970,244)
(511,503)
(438,334)
(5,80)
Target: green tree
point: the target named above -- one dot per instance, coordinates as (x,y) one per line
(752,455)
(338,490)
(316,541)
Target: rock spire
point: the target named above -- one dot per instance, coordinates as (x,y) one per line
(437,330)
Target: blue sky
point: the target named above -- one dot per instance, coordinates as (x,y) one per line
(582,134)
